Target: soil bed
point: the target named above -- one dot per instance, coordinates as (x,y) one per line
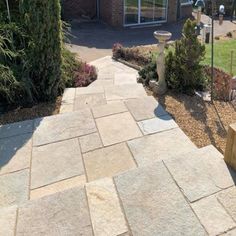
(203,122)
(40,110)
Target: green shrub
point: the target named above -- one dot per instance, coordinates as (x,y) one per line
(149,72)
(184,72)
(44,48)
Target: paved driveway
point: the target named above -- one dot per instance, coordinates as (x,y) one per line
(93,40)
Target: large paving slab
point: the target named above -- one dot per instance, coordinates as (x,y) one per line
(89,90)
(90,142)
(125,78)
(155,147)
(68,95)
(64,213)
(105,82)
(106,214)
(18,128)
(8,221)
(198,175)
(14,188)
(157,124)
(127,91)
(58,187)
(107,162)
(15,153)
(109,109)
(117,128)
(89,100)
(213,216)
(64,126)
(230,233)
(57,161)
(145,108)
(154,205)
(228,200)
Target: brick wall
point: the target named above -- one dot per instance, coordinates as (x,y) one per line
(172,11)
(111,12)
(74,9)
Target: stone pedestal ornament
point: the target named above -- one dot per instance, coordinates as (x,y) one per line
(160,87)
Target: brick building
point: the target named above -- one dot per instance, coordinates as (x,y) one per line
(119,13)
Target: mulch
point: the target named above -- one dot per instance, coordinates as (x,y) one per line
(39,110)
(204,123)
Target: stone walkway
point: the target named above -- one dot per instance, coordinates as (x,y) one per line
(112,163)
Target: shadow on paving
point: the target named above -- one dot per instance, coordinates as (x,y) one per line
(101,36)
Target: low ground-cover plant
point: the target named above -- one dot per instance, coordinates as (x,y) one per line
(133,55)
(184,71)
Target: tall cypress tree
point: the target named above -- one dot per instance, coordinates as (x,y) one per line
(42,22)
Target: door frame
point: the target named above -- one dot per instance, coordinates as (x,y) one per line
(139,16)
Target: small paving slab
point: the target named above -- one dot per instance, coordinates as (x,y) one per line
(213,216)
(8,221)
(107,162)
(14,188)
(64,126)
(64,213)
(230,233)
(125,78)
(157,124)
(58,187)
(145,108)
(15,153)
(154,205)
(158,146)
(89,100)
(88,90)
(198,175)
(228,199)
(109,109)
(106,214)
(68,95)
(90,142)
(57,161)
(117,128)
(18,128)
(127,91)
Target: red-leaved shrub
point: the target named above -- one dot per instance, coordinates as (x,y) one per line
(85,75)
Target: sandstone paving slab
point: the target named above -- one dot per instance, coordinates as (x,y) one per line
(58,187)
(154,205)
(107,162)
(8,221)
(230,233)
(17,128)
(199,173)
(127,91)
(106,214)
(157,124)
(145,108)
(89,90)
(14,188)
(68,95)
(228,200)
(90,142)
(155,147)
(68,107)
(213,216)
(109,109)
(64,126)
(15,153)
(125,78)
(117,128)
(64,213)
(57,161)
(105,82)
(89,100)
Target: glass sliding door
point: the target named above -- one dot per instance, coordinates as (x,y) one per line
(145,11)
(131,12)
